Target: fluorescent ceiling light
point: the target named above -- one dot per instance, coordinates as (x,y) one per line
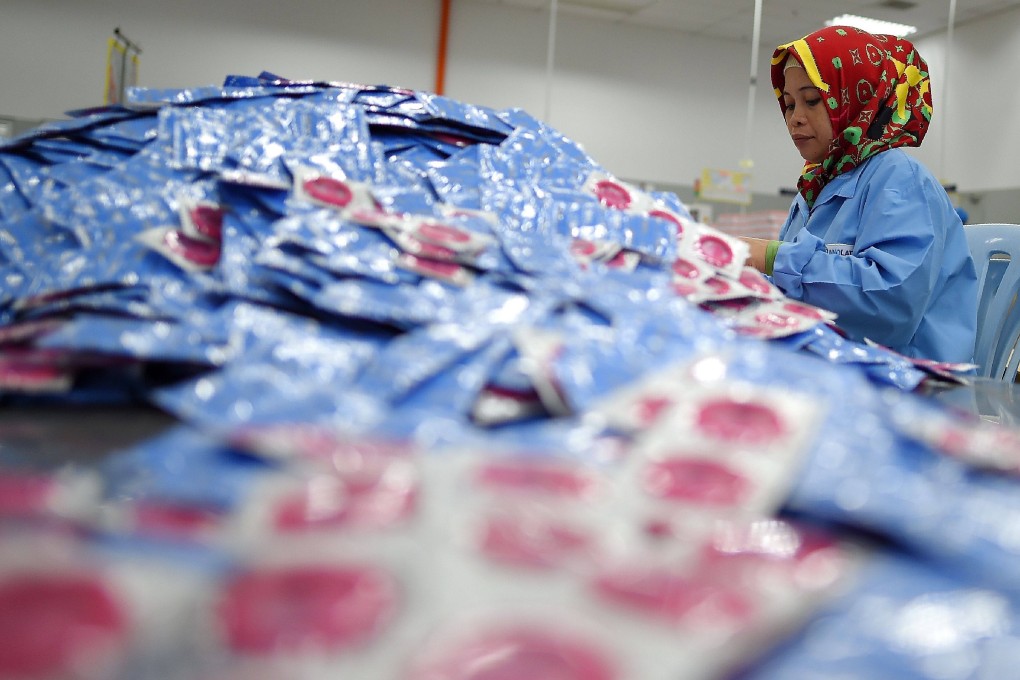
(872,25)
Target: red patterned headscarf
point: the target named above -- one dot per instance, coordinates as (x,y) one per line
(876,90)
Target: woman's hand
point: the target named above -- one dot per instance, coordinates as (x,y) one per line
(756,258)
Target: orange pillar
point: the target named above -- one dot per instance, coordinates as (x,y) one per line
(444,31)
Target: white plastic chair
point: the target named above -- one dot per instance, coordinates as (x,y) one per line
(996,252)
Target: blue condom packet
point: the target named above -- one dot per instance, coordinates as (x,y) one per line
(196,341)
(75,125)
(427,107)
(54,151)
(285,366)
(436,413)
(529,235)
(524,159)
(898,487)
(117,205)
(307,274)
(30,242)
(12,201)
(643,332)
(510,373)
(654,238)
(338,143)
(882,366)
(185,466)
(330,136)
(402,306)
(133,302)
(127,133)
(902,618)
(246,225)
(672,202)
(26,175)
(144,99)
(335,245)
(261,390)
(457,181)
(468,321)
(69,174)
(383,99)
(569,154)
(198,136)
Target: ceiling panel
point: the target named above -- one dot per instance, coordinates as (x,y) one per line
(782,20)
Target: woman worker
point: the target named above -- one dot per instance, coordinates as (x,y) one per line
(871,235)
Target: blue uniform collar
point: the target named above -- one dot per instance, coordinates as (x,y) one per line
(841,186)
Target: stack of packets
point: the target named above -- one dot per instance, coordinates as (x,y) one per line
(456,403)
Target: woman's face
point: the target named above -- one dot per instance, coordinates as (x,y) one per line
(806,116)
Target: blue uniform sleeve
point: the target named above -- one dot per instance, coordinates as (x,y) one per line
(879,282)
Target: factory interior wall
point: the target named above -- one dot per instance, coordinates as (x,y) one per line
(653,106)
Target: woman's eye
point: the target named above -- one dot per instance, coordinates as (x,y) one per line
(812,102)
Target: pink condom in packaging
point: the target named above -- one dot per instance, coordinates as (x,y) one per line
(498,405)
(331,191)
(448,272)
(778,319)
(689,276)
(54,625)
(514,652)
(612,194)
(672,218)
(536,476)
(714,250)
(730,419)
(533,537)
(48,495)
(328,191)
(187,252)
(711,446)
(701,481)
(727,254)
(337,482)
(759,285)
(206,220)
(624,260)
(615,193)
(305,608)
(534,514)
(18,376)
(675,596)
(448,235)
(372,495)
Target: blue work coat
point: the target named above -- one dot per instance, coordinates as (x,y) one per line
(884,249)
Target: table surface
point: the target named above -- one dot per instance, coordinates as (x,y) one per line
(47,437)
(994,400)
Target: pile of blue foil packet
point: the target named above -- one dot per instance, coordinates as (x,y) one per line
(451,401)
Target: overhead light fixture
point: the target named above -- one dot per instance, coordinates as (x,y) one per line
(872,25)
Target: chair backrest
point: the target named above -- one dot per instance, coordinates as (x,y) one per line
(996,252)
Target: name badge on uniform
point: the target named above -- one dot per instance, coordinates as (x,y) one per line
(839,248)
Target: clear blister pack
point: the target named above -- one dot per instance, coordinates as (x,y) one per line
(726,253)
(334,483)
(718,447)
(543,559)
(103,610)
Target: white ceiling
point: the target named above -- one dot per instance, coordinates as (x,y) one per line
(781,20)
